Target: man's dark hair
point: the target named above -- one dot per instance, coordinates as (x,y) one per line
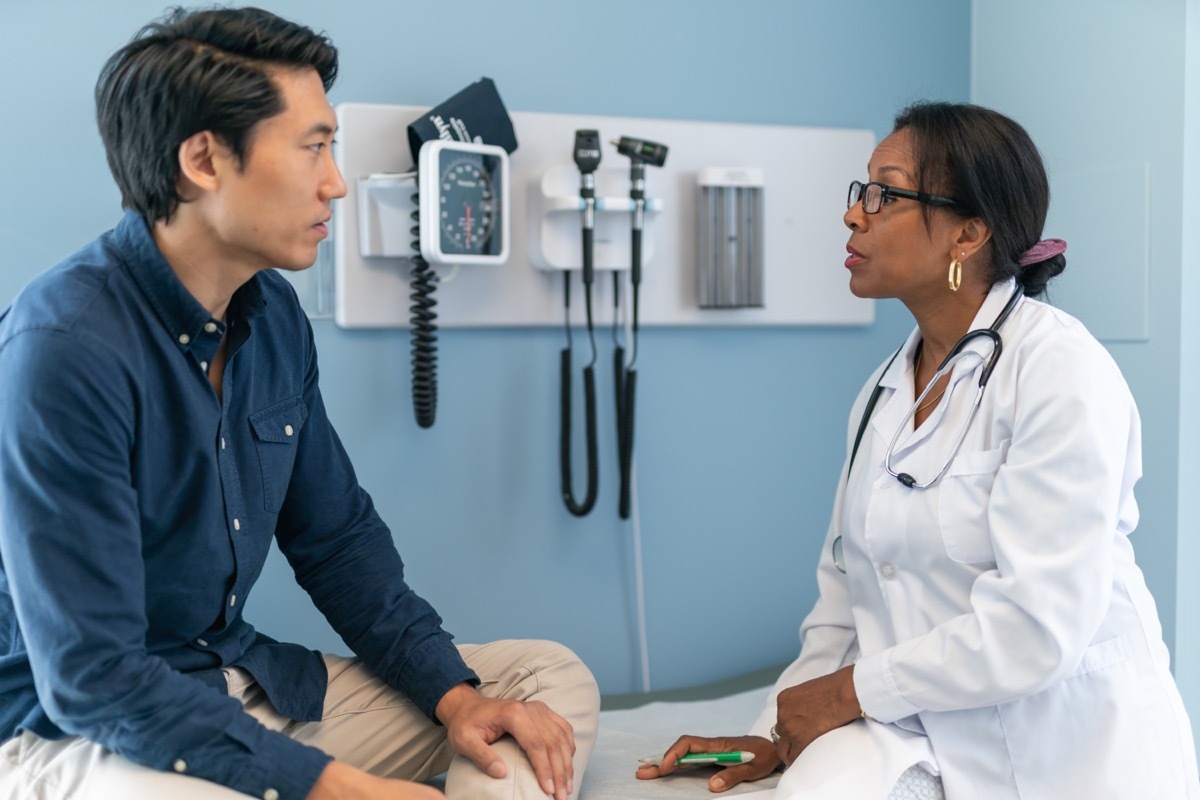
(990,165)
(193,71)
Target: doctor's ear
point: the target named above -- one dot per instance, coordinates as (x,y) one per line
(973,235)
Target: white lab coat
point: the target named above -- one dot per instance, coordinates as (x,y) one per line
(999,614)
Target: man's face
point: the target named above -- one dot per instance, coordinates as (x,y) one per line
(273,212)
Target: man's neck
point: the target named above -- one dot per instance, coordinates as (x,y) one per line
(203,265)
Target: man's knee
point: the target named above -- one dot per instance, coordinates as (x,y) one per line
(563,664)
(555,669)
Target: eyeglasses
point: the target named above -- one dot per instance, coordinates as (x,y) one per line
(872,195)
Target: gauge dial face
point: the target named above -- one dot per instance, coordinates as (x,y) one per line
(469,210)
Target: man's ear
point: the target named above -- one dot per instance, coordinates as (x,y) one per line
(200,163)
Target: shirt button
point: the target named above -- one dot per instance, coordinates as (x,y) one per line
(180,765)
(184,338)
(202,643)
(887,570)
(210,327)
(204,366)
(232,600)
(270,794)
(237,524)
(287,430)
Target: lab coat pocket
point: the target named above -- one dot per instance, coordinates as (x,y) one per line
(276,436)
(963,496)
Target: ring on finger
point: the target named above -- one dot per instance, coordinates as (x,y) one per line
(774,735)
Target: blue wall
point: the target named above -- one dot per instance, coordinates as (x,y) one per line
(1095,117)
(740,431)
(1187,650)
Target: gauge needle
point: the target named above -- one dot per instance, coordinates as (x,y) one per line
(467,206)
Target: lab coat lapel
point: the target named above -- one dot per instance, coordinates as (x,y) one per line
(897,397)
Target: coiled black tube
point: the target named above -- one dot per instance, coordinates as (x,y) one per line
(619,404)
(424,331)
(625,443)
(564,442)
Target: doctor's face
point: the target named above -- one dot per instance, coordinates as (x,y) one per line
(892,253)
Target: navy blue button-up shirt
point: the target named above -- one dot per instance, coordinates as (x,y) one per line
(136,510)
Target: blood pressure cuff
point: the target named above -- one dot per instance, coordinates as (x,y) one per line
(476,114)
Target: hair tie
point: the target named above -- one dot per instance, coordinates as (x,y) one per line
(1046,248)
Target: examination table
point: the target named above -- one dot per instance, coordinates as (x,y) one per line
(637,725)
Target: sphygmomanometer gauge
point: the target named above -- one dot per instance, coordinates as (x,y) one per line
(463,195)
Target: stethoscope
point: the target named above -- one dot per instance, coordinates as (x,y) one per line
(948,363)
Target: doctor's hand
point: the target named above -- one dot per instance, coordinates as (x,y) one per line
(764,763)
(473,722)
(813,708)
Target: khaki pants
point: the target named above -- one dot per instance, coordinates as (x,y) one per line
(365,723)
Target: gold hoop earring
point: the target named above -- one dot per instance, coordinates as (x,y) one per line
(955,276)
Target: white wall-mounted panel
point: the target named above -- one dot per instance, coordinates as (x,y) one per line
(806,171)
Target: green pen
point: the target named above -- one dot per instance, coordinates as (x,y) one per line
(738,757)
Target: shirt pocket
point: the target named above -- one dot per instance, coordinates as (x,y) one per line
(963,497)
(276,436)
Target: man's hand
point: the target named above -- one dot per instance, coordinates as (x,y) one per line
(813,708)
(473,722)
(764,763)
(340,781)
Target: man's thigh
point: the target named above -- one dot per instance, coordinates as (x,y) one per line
(32,768)
(376,728)
(372,726)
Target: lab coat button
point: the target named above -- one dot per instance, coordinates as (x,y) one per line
(270,794)
(237,524)
(287,430)
(887,570)
(232,600)
(204,366)
(210,327)
(184,338)
(222,442)
(180,765)
(202,643)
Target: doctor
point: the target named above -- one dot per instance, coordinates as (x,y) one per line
(982,630)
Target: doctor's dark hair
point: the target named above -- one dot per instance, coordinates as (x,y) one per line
(988,163)
(193,71)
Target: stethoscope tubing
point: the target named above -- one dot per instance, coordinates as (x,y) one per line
(992,332)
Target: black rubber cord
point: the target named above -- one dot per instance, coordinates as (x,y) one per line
(424,330)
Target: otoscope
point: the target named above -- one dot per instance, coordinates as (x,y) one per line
(640,153)
(587,158)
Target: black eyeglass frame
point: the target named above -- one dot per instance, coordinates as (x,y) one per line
(893,191)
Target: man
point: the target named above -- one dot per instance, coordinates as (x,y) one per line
(161,421)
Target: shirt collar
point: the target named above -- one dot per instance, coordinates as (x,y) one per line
(987,314)
(180,313)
